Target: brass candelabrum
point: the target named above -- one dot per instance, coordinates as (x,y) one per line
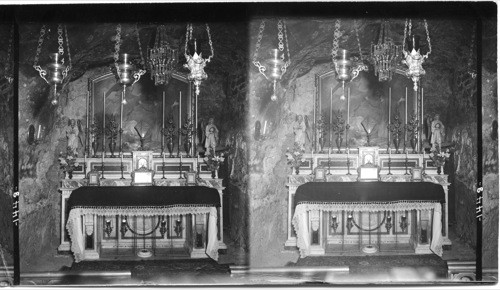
(169,133)
(95,133)
(322,128)
(338,128)
(396,129)
(412,129)
(187,130)
(112,133)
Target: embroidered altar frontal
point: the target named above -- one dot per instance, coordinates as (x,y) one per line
(143,220)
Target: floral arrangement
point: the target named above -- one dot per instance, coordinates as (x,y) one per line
(439,157)
(187,129)
(112,128)
(294,156)
(213,161)
(68,164)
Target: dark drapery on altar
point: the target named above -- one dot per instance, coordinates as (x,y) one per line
(137,196)
(368,192)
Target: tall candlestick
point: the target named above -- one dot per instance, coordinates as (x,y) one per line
(103,124)
(163,124)
(87,128)
(422,121)
(331,115)
(406,105)
(180,113)
(265,124)
(39,129)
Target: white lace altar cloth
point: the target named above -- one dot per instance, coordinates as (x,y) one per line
(76,232)
(299,220)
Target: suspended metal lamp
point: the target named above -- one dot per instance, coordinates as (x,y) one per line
(385,55)
(56,71)
(412,57)
(194,59)
(347,68)
(126,71)
(276,63)
(162,58)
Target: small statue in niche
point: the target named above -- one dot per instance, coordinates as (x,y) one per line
(211,136)
(437,131)
(300,127)
(73,136)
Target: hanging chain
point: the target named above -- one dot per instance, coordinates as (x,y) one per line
(60,40)
(357,38)
(335,44)
(37,67)
(428,38)
(288,61)
(404,35)
(280,35)
(9,64)
(66,70)
(117,44)
(261,68)
(189,35)
(39,48)
(471,49)
(211,45)
(143,63)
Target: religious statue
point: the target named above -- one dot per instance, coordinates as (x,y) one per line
(299,130)
(437,131)
(211,136)
(72,135)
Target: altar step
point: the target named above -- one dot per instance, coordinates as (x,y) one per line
(130,255)
(357,250)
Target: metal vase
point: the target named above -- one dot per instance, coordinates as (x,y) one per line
(170,146)
(95,146)
(396,141)
(112,147)
(187,146)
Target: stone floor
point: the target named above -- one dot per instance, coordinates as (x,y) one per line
(50,261)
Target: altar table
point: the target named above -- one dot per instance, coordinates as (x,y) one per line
(140,201)
(366,197)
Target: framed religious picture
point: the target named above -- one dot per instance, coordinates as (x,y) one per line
(142,159)
(142,176)
(93,178)
(319,174)
(368,172)
(368,155)
(416,174)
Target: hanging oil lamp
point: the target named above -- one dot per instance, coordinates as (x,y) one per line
(385,55)
(412,57)
(194,59)
(162,58)
(347,68)
(126,71)
(277,63)
(56,71)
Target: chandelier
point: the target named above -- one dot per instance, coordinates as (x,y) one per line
(125,69)
(385,55)
(162,58)
(194,59)
(276,63)
(347,68)
(412,57)
(55,71)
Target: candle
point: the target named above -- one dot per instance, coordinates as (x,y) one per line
(265,124)
(103,124)
(406,105)
(87,123)
(39,129)
(331,113)
(422,121)
(163,122)
(389,105)
(180,109)
(348,97)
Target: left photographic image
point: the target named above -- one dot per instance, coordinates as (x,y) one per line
(129,147)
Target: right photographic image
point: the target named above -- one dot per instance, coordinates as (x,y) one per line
(374,147)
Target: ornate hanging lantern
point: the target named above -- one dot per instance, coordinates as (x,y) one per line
(385,55)
(194,59)
(347,68)
(125,69)
(276,62)
(162,58)
(56,71)
(412,57)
